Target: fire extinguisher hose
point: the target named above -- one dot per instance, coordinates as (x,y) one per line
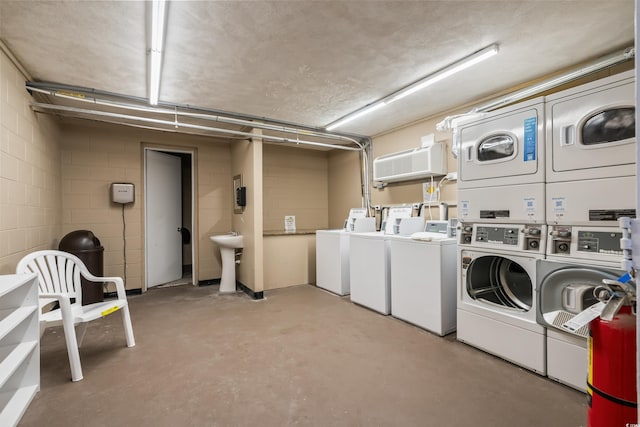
(611,398)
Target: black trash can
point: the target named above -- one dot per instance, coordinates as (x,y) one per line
(86,246)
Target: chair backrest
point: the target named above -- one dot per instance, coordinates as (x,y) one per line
(58,272)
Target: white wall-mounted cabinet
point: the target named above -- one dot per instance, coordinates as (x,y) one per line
(19,346)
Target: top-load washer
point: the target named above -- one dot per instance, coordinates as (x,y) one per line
(578,259)
(423,278)
(369,260)
(591,152)
(501,166)
(332,252)
(497,294)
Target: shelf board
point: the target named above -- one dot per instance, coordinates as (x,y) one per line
(11,318)
(12,358)
(11,282)
(13,404)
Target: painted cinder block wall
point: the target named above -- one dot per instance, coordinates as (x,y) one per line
(30,173)
(95,155)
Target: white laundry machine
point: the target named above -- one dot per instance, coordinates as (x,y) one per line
(423,278)
(370,266)
(497,295)
(578,259)
(590,155)
(332,255)
(501,166)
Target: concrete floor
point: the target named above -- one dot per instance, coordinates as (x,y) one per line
(300,357)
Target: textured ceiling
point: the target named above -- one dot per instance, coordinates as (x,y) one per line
(311,62)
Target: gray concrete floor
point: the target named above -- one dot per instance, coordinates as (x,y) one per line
(300,357)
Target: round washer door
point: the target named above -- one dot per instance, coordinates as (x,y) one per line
(499,280)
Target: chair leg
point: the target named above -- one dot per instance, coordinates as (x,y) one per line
(82,329)
(72,343)
(128,329)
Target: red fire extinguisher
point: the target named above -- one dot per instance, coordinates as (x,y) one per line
(611,381)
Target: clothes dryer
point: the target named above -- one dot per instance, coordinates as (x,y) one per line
(497,295)
(501,166)
(423,279)
(591,153)
(566,280)
(591,130)
(504,147)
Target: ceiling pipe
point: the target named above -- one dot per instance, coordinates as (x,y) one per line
(78,93)
(46,108)
(606,61)
(175,112)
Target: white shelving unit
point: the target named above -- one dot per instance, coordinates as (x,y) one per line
(19,346)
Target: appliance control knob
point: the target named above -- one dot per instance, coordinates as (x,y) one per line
(467,239)
(534,244)
(467,229)
(563,247)
(533,231)
(509,231)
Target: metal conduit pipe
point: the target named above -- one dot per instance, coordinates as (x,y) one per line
(77,94)
(45,108)
(600,64)
(73,93)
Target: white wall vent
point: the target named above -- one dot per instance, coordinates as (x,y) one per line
(411,164)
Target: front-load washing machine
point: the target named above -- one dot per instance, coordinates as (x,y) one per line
(423,279)
(497,295)
(501,166)
(578,259)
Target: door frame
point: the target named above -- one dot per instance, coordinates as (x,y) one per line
(194,206)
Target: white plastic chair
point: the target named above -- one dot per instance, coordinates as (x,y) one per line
(59,280)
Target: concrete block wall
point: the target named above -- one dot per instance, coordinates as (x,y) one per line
(296,182)
(30,184)
(95,155)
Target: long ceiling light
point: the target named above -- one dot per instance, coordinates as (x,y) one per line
(158,9)
(439,75)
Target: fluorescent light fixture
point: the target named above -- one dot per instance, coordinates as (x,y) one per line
(448,71)
(356,114)
(158,9)
(439,75)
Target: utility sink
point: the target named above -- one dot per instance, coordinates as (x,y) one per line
(228,241)
(228,244)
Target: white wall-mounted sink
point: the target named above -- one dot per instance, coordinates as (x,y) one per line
(228,241)
(228,244)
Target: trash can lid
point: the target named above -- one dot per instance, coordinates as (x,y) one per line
(79,240)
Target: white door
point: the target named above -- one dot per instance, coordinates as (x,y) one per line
(163,188)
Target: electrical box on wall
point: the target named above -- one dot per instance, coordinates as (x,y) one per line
(122,192)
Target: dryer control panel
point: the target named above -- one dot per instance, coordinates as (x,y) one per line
(595,243)
(512,237)
(599,242)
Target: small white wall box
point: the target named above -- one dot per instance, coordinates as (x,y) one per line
(122,192)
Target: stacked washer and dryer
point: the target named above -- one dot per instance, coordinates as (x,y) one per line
(591,182)
(541,186)
(502,233)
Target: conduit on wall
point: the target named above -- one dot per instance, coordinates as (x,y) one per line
(196,121)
